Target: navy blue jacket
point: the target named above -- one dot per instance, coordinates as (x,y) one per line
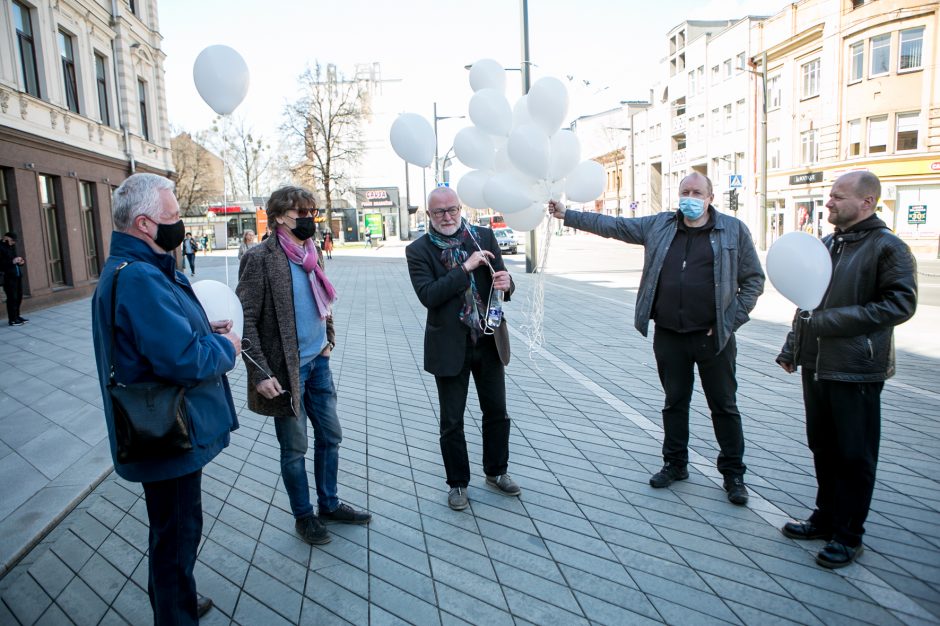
(163,335)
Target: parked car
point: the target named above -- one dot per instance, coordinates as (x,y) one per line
(506,240)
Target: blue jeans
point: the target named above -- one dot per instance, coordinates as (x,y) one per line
(319,404)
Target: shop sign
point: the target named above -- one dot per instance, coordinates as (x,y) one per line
(807,178)
(917,214)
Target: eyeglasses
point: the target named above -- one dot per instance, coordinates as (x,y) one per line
(452,211)
(306,212)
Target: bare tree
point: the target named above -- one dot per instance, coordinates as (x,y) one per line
(198,172)
(323,125)
(247,156)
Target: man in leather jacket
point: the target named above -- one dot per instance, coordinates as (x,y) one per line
(701,278)
(846,350)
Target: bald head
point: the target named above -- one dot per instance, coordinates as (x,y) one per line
(443,194)
(696,178)
(853,198)
(865,185)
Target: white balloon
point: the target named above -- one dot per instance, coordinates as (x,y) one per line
(799,266)
(470,189)
(490,111)
(413,139)
(528,218)
(520,113)
(506,193)
(566,153)
(474,148)
(221,77)
(585,182)
(220,303)
(487,74)
(530,150)
(547,102)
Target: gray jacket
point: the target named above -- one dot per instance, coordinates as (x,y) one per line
(739,279)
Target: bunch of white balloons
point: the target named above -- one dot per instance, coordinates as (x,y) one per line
(520,156)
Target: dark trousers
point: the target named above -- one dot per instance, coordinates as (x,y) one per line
(481,360)
(174,508)
(13,289)
(191,257)
(677,354)
(843,430)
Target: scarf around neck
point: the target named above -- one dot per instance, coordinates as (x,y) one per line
(452,256)
(306,256)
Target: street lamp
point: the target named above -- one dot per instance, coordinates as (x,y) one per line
(437,165)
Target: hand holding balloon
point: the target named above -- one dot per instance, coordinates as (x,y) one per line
(556,208)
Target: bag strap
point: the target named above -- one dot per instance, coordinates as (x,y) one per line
(117,274)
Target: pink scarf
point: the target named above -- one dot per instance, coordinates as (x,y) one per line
(323,292)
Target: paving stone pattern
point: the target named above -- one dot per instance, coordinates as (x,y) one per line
(589,541)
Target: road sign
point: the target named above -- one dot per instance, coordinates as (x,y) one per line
(917,214)
(733,200)
(735,181)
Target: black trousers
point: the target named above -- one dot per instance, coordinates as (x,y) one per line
(13,289)
(843,430)
(191,257)
(174,508)
(677,354)
(481,360)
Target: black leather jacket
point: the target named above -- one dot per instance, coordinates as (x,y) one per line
(873,289)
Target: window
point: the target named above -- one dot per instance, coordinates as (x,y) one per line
(701,79)
(856,61)
(880,54)
(740,63)
(88,228)
(911,55)
(692,82)
(773,92)
(142,97)
(810,72)
(24,38)
(742,114)
(716,75)
(50,218)
(132,5)
(908,124)
(5,225)
(809,148)
(877,134)
(773,153)
(68,71)
(716,122)
(854,138)
(727,66)
(727,117)
(101,76)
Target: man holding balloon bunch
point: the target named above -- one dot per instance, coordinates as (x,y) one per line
(846,349)
(701,278)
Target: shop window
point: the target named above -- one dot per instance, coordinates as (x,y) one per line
(29,71)
(911,55)
(88,229)
(880,54)
(856,61)
(877,134)
(5,224)
(854,138)
(907,128)
(50,218)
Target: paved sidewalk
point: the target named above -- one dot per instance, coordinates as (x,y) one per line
(588,542)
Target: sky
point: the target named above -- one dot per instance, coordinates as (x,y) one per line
(610,49)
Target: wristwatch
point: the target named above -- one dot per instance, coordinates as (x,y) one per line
(331,345)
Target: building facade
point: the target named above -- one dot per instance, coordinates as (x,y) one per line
(82,106)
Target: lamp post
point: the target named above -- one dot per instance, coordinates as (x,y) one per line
(437,165)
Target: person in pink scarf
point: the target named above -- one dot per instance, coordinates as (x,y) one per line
(288,338)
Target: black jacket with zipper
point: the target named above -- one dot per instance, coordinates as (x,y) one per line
(872,290)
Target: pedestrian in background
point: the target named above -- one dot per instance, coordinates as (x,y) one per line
(454,267)
(161,334)
(701,278)
(846,349)
(328,244)
(190,247)
(11,267)
(287,301)
(247,242)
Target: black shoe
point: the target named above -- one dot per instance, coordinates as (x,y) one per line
(668,475)
(22,319)
(805,530)
(345,514)
(737,492)
(836,554)
(16,323)
(203,604)
(312,531)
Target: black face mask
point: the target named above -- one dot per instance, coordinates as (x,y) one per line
(305,228)
(170,236)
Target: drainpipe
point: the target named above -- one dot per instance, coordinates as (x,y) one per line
(762,201)
(128,150)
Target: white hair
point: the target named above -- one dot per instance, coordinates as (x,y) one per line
(138,195)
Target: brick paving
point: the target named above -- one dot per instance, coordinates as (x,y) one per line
(588,542)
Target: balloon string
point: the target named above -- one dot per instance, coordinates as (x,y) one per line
(534,308)
(225,123)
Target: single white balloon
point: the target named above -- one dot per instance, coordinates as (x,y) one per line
(528,218)
(490,111)
(566,153)
(547,102)
(413,139)
(474,148)
(530,150)
(220,303)
(506,193)
(487,74)
(221,77)
(585,182)
(800,268)
(470,189)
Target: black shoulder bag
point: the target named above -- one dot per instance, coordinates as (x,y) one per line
(150,420)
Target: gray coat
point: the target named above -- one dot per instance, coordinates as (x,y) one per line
(739,279)
(267,297)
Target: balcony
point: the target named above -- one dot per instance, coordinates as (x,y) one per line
(679,124)
(679,157)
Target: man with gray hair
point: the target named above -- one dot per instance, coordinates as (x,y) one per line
(846,349)
(149,327)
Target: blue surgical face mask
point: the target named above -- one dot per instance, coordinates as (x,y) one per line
(692,208)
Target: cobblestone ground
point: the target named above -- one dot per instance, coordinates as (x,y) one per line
(589,541)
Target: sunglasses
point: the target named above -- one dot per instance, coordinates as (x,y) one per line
(306,212)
